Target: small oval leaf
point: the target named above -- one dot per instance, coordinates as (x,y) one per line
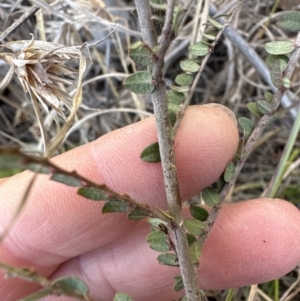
(175,97)
(184,79)
(195,252)
(277,72)
(289,20)
(199,213)
(269,96)
(271,59)
(178,286)
(92,193)
(264,107)
(115,206)
(215,23)
(139,82)
(210,196)
(156,222)
(280,47)
(199,49)
(229,172)
(247,126)
(286,82)
(151,153)
(140,54)
(189,66)
(158,241)
(66,179)
(71,284)
(180,89)
(168,259)
(137,214)
(194,226)
(252,107)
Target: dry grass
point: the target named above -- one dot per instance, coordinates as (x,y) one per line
(42,90)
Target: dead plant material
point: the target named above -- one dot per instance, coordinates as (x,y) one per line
(41,68)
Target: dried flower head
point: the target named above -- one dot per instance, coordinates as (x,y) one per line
(40,67)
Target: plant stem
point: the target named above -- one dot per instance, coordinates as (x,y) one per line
(263,122)
(164,133)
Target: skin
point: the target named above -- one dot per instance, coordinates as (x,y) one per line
(60,233)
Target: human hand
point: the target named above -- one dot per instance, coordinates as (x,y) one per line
(61,234)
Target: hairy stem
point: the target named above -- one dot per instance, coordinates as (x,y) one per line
(164,133)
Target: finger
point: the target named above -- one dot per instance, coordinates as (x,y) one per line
(255,242)
(66,225)
(251,242)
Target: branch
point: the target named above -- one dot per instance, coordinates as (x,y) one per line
(164,133)
(251,55)
(263,122)
(28,13)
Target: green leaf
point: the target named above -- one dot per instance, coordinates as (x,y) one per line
(271,59)
(289,20)
(195,252)
(156,222)
(35,167)
(252,107)
(277,72)
(92,193)
(184,298)
(286,82)
(215,23)
(172,117)
(38,295)
(190,238)
(280,47)
(178,286)
(173,107)
(168,259)
(198,213)
(210,196)
(71,284)
(115,206)
(140,54)
(199,49)
(139,82)
(247,126)
(194,226)
(189,66)
(264,107)
(66,179)
(184,79)
(175,97)
(137,214)
(122,297)
(180,89)
(229,171)
(269,96)
(151,153)
(158,241)
(209,36)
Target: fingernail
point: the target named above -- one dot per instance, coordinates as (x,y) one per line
(224,109)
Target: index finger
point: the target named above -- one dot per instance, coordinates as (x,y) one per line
(57,224)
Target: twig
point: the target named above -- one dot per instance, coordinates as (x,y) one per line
(263,122)
(50,287)
(54,169)
(164,132)
(28,13)
(253,57)
(199,74)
